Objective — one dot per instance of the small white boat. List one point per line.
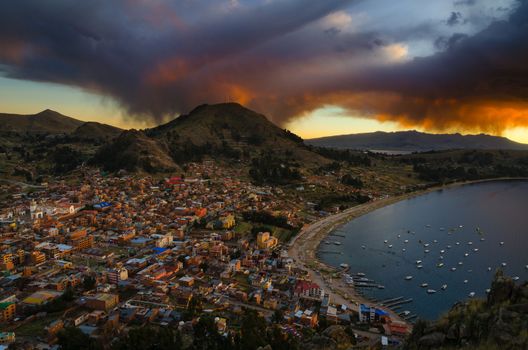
(337, 243)
(426, 245)
(427, 225)
(516, 278)
(457, 243)
(426, 251)
(442, 251)
(406, 241)
(475, 250)
(326, 242)
(403, 249)
(465, 281)
(448, 247)
(472, 294)
(363, 247)
(418, 261)
(460, 226)
(453, 269)
(466, 254)
(424, 285)
(343, 265)
(488, 290)
(444, 286)
(406, 313)
(435, 241)
(504, 264)
(470, 243)
(399, 236)
(385, 241)
(360, 274)
(419, 266)
(379, 286)
(390, 245)
(408, 278)
(526, 267)
(460, 263)
(431, 291)
(482, 239)
(441, 257)
(501, 243)
(440, 265)
(489, 268)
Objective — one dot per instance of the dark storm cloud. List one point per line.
(159, 58)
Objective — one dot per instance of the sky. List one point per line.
(315, 67)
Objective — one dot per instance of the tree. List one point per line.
(72, 338)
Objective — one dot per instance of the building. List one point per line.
(37, 257)
(266, 241)
(7, 337)
(371, 314)
(308, 290)
(102, 301)
(116, 275)
(41, 297)
(7, 311)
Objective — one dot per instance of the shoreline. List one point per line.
(303, 247)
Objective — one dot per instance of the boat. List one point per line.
(442, 251)
(501, 243)
(453, 269)
(406, 241)
(516, 278)
(426, 245)
(440, 265)
(360, 274)
(426, 251)
(475, 250)
(363, 247)
(380, 286)
(489, 268)
(472, 294)
(385, 241)
(408, 278)
(444, 286)
(403, 250)
(420, 261)
(488, 291)
(457, 243)
(431, 291)
(466, 254)
(424, 285)
(470, 243)
(343, 265)
(526, 267)
(390, 245)
(504, 264)
(448, 247)
(441, 257)
(399, 236)
(406, 313)
(427, 225)
(419, 266)
(435, 241)
(482, 239)
(337, 243)
(465, 281)
(461, 226)
(460, 263)
(326, 242)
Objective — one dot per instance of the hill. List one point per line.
(226, 131)
(415, 141)
(47, 121)
(96, 131)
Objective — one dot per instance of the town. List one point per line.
(110, 253)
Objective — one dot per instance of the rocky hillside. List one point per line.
(96, 131)
(500, 322)
(415, 141)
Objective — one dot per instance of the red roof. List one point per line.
(303, 286)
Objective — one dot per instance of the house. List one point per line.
(266, 241)
(371, 314)
(102, 301)
(7, 311)
(308, 290)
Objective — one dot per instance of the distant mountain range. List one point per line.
(415, 141)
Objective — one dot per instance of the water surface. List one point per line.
(484, 214)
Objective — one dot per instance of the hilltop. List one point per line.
(47, 121)
(96, 131)
(415, 141)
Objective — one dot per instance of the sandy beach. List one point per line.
(303, 247)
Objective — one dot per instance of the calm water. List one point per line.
(499, 209)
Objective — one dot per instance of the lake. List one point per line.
(468, 223)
